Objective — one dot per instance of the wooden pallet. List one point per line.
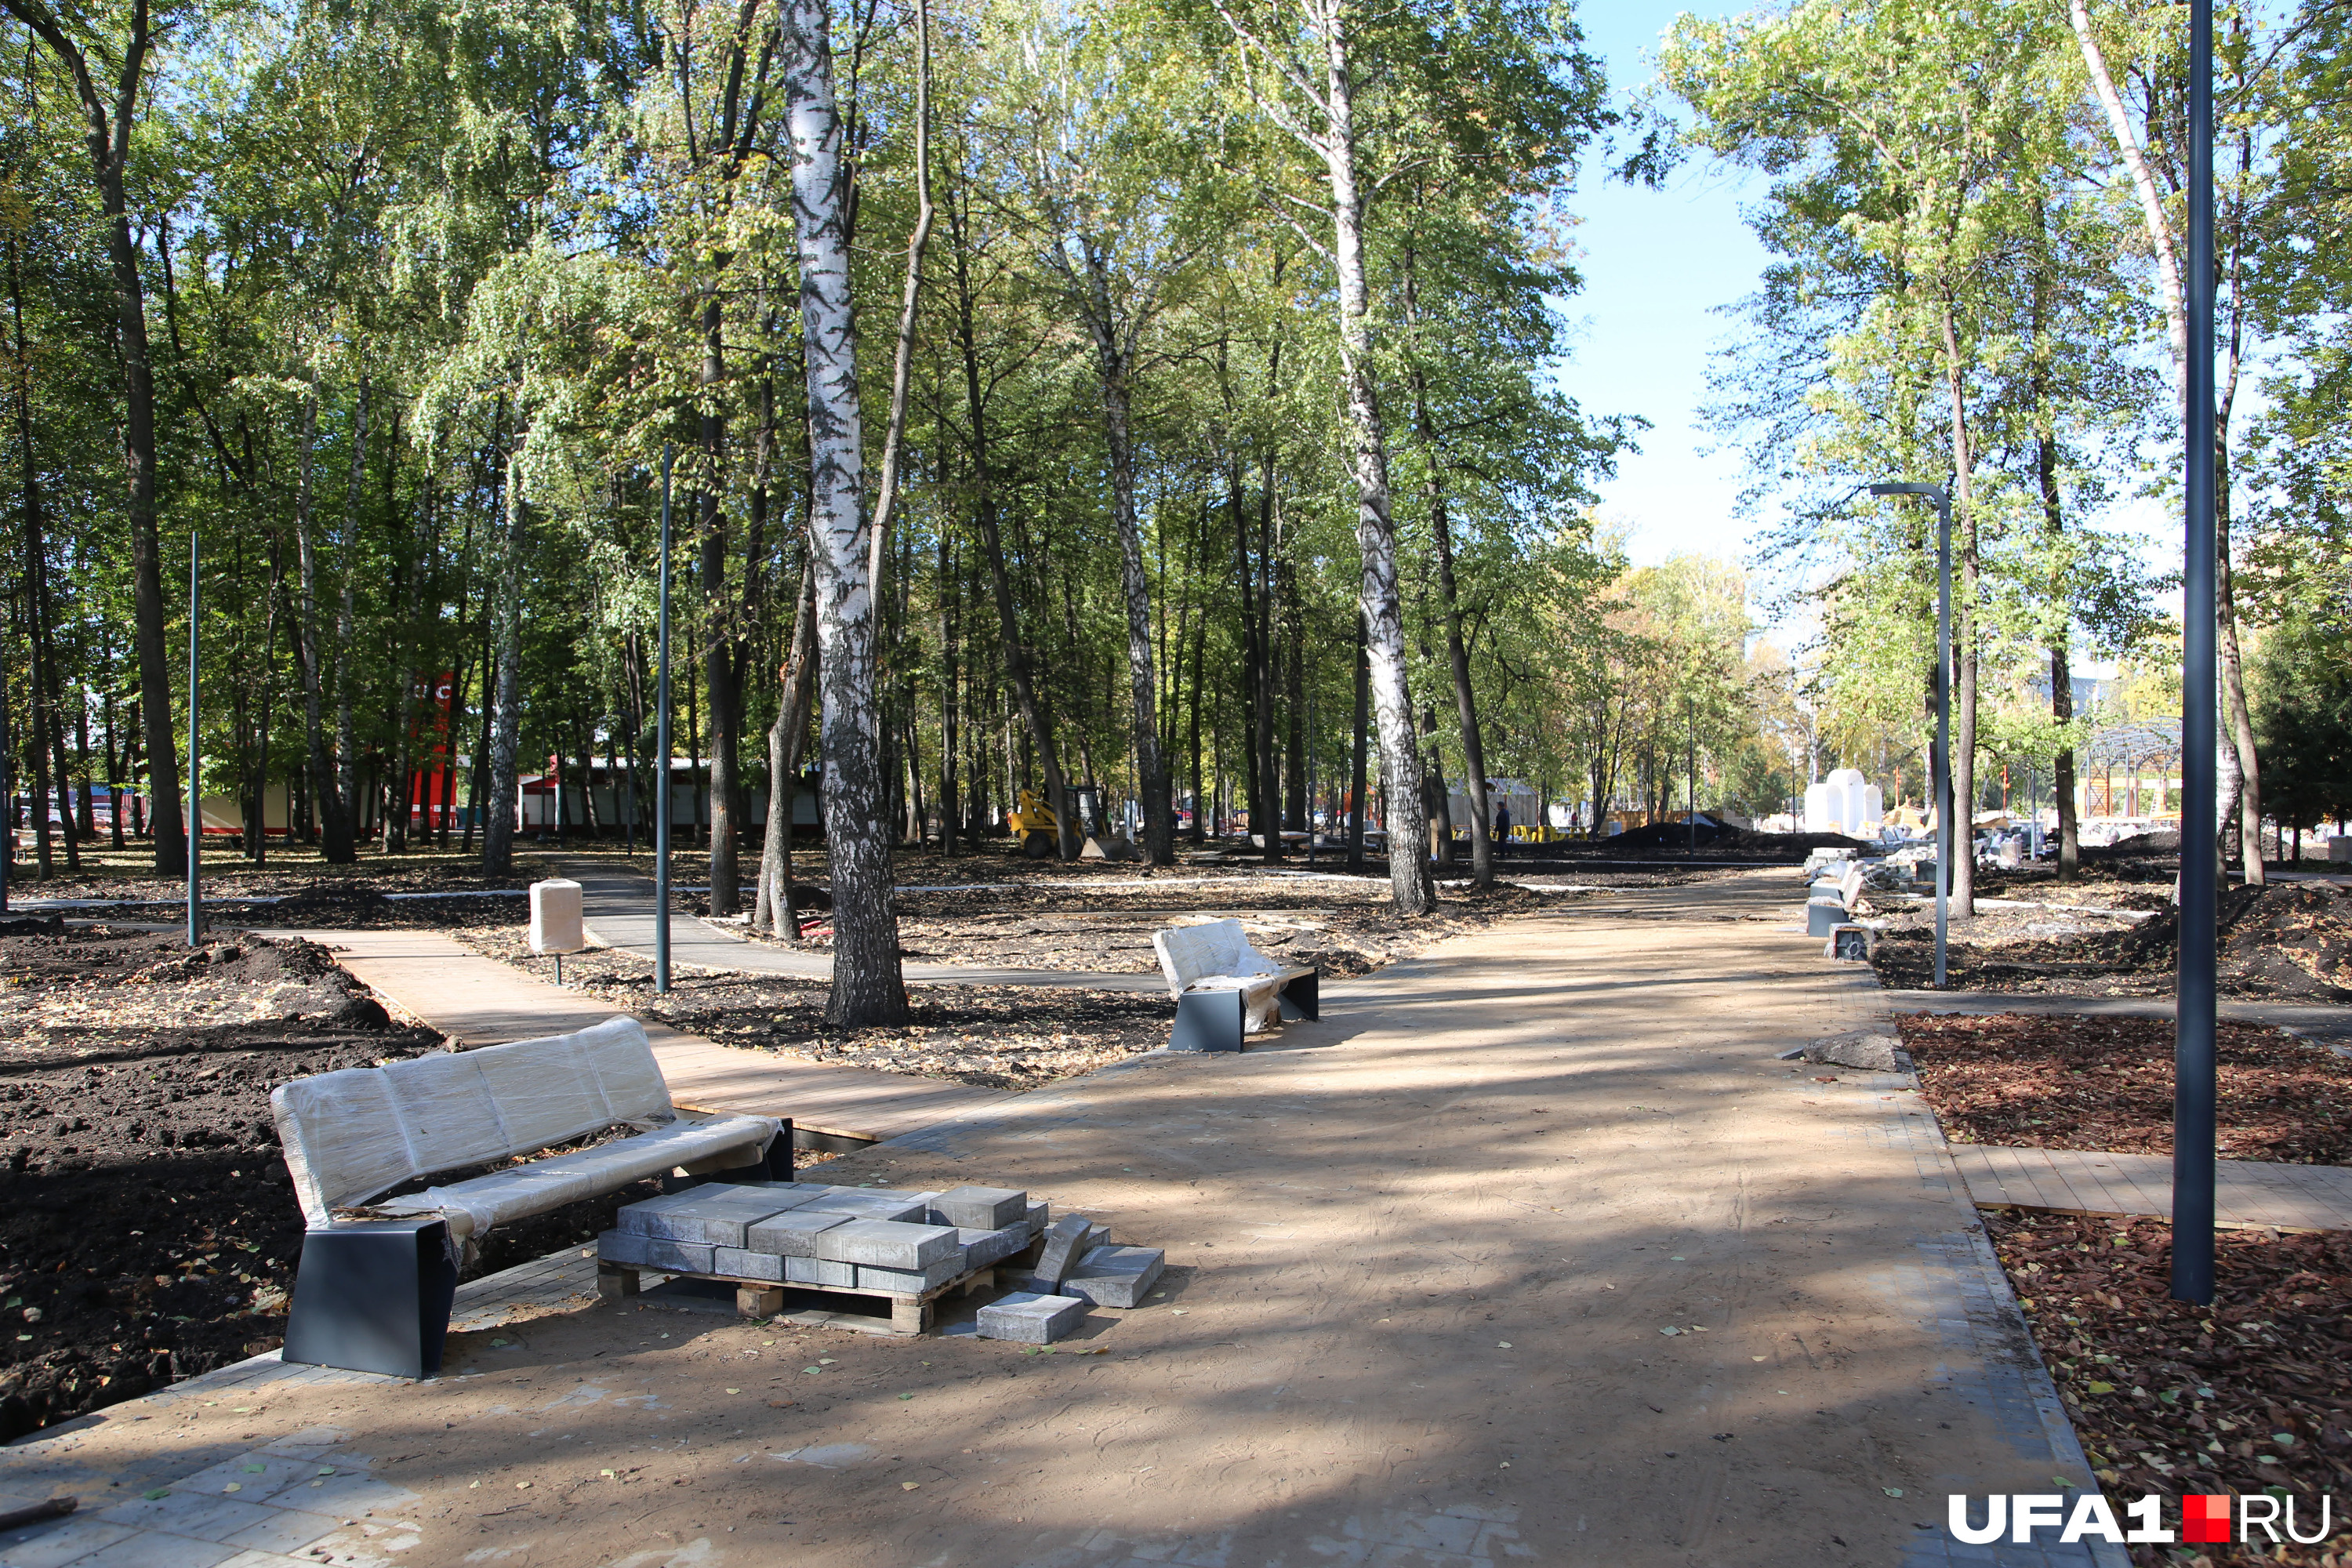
(910, 1314)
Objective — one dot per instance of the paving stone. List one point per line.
(820, 1272)
(980, 1209)
(70, 1541)
(985, 1249)
(792, 1233)
(1041, 1214)
(912, 1282)
(1030, 1320)
(886, 1243)
(1116, 1275)
(636, 1216)
(742, 1263)
(1065, 1243)
(290, 1530)
(651, 1252)
(713, 1213)
(855, 1205)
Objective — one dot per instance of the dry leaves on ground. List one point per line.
(2022, 1080)
(2244, 1396)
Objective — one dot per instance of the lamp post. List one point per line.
(661, 744)
(2192, 1044)
(195, 788)
(1940, 768)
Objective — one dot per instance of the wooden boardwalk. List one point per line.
(479, 1002)
(2247, 1194)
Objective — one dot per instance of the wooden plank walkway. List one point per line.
(481, 1002)
(2247, 1194)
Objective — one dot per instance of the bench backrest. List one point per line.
(356, 1135)
(1189, 954)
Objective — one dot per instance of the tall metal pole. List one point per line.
(195, 788)
(1945, 804)
(661, 744)
(2192, 1049)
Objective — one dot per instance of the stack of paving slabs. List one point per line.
(840, 1238)
(1077, 1268)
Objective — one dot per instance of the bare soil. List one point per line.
(2030, 1080)
(1015, 1038)
(294, 888)
(2285, 941)
(148, 1228)
(2245, 1396)
(1101, 918)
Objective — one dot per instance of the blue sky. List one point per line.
(1657, 266)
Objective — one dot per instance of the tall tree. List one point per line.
(868, 986)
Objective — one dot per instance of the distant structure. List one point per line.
(1844, 803)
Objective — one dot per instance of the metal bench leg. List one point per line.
(1303, 998)
(373, 1297)
(1209, 1021)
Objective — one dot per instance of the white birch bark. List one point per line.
(868, 986)
(1409, 879)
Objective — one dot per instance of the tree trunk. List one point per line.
(1409, 877)
(334, 826)
(1962, 877)
(1142, 684)
(1465, 702)
(1034, 717)
(868, 986)
(346, 747)
(1355, 753)
(35, 579)
(950, 653)
(505, 718)
(784, 739)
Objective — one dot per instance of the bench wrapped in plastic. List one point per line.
(353, 1135)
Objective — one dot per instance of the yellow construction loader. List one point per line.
(1034, 827)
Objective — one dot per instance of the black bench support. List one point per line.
(374, 1296)
(1209, 1021)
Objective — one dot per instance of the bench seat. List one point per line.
(374, 1289)
(1225, 988)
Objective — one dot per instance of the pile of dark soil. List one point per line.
(1721, 839)
(148, 1228)
(2285, 941)
(2022, 1080)
(1014, 1037)
(2162, 841)
(2244, 1396)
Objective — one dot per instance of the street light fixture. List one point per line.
(1940, 766)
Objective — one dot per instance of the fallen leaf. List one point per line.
(908, 1486)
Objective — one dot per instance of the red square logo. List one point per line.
(2205, 1517)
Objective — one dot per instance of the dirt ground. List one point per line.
(1057, 921)
(301, 890)
(1542, 1254)
(2022, 1080)
(2285, 941)
(2243, 1397)
(990, 1036)
(148, 1228)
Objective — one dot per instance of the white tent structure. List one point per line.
(1844, 803)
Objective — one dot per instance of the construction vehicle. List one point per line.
(1034, 827)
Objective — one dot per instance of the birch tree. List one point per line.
(868, 986)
